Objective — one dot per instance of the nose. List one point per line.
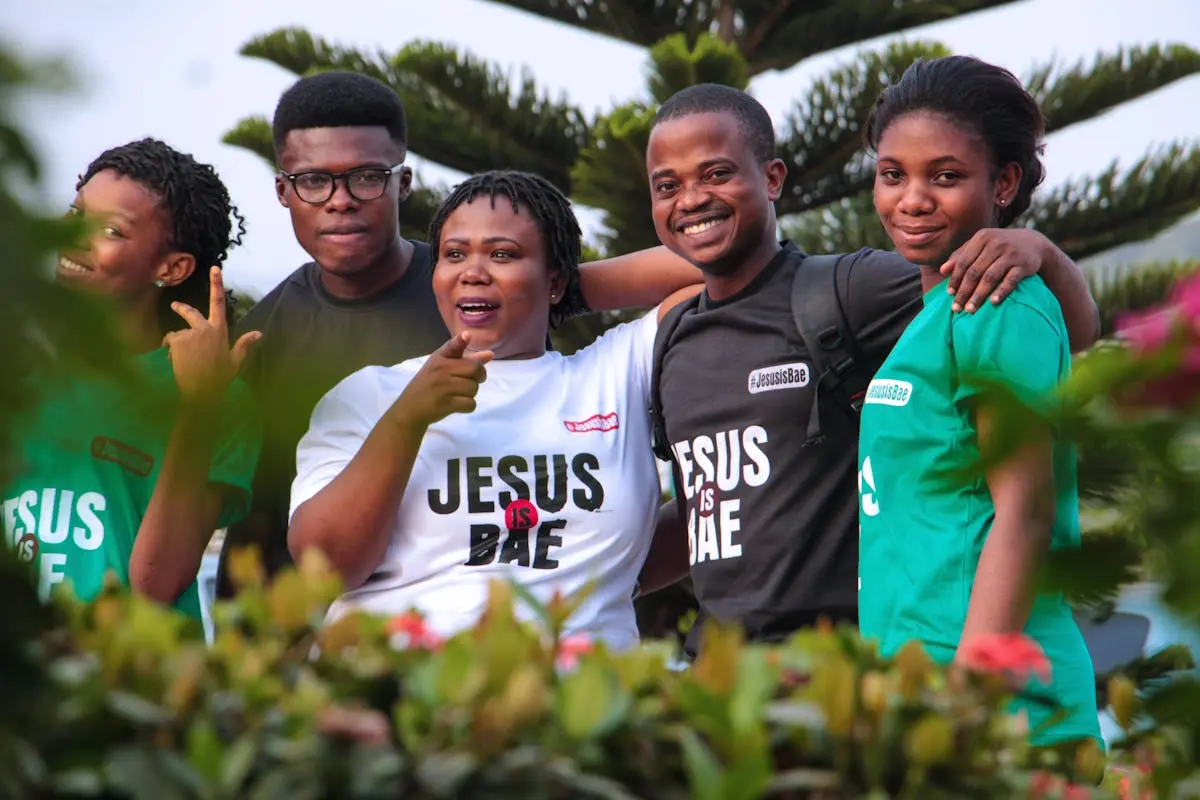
(475, 271)
(341, 199)
(693, 196)
(915, 199)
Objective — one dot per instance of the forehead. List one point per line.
(109, 193)
(482, 218)
(339, 149)
(683, 143)
(923, 136)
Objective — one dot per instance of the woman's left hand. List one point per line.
(203, 362)
(992, 262)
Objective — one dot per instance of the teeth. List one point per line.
(71, 266)
(476, 308)
(700, 227)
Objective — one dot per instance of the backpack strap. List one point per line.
(662, 340)
(836, 358)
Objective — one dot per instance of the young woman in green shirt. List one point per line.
(942, 560)
(132, 474)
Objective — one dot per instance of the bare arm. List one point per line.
(667, 561)
(1022, 490)
(182, 513)
(349, 520)
(636, 280)
(1064, 278)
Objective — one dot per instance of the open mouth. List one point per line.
(701, 226)
(70, 265)
(477, 309)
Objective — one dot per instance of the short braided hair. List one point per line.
(548, 207)
(199, 213)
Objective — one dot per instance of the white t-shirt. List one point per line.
(569, 433)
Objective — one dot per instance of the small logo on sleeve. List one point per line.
(127, 458)
(781, 376)
(596, 422)
(888, 393)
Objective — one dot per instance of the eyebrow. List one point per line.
(489, 240)
(706, 164)
(107, 214)
(935, 162)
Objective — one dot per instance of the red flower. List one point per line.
(409, 631)
(1148, 332)
(570, 649)
(1013, 654)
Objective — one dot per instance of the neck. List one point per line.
(390, 267)
(722, 287)
(930, 277)
(139, 325)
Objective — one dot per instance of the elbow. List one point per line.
(162, 584)
(306, 534)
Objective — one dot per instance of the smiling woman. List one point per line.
(491, 458)
(133, 476)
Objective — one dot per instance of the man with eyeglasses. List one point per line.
(366, 298)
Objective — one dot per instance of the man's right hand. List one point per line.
(446, 385)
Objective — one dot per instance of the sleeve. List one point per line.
(235, 457)
(1015, 344)
(626, 351)
(339, 425)
(881, 294)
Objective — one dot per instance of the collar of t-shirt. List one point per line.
(786, 250)
(418, 269)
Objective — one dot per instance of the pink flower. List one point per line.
(570, 649)
(1012, 654)
(410, 631)
(1148, 332)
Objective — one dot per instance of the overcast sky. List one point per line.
(171, 70)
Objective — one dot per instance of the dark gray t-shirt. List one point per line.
(311, 340)
(773, 524)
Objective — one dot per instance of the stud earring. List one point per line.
(1002, 202)
(159, 284)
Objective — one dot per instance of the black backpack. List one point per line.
(821, 320)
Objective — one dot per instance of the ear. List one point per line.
(558, 286)
(404, 178)
(281, 194)
(176, 268)
(1008, 183)
(776, 172)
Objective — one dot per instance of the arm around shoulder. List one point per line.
(636, 280)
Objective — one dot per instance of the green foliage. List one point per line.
(124, 700)
(1134, 288)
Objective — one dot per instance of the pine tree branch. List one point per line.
(840, 227)
(611, 175)
(462, 112)
(805, 31)
(1069, 95)
(822, 136)
(1092, 215)
(253, 134)
(1135, 287)
(771, 34)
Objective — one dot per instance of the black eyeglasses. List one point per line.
(363, 183)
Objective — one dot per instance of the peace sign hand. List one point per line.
(200, 355)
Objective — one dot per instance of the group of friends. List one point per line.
(396, 404)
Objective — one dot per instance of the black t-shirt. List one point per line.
(310, 341)
(773, 525)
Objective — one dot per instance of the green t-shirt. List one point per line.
(87, 460)
(921, 533)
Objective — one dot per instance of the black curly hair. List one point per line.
(548, 207)
(983, 99)
(200, 213)
(338, 99)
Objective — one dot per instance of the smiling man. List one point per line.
(766, 477)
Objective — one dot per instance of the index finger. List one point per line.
(216, 296)
(960, 260)
(455, 347)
